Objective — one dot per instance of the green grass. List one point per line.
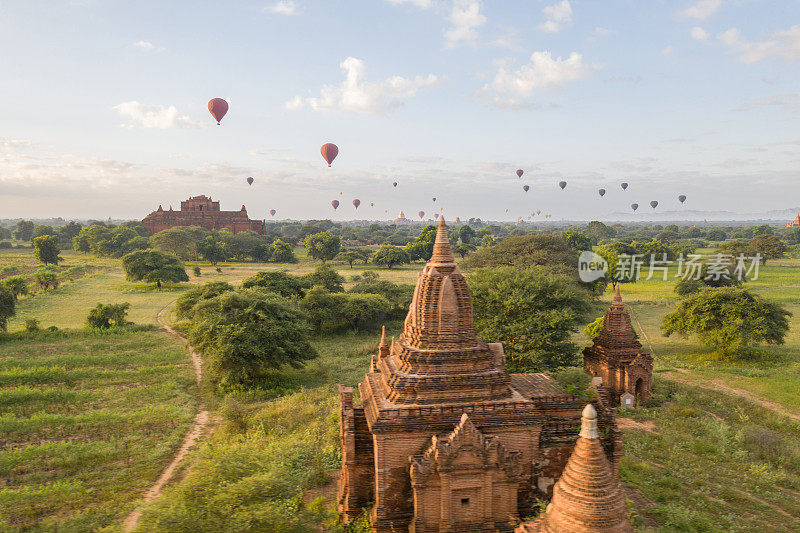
(87, 422)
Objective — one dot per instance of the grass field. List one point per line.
(87, 421)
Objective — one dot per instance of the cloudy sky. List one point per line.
(104, 106)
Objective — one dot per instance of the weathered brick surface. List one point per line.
(618, 358)
(204, 212)
(454, 442)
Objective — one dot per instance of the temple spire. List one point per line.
(617, 295)
(441, 247)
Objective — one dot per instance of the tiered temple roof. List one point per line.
(617, 338)
(587, 498)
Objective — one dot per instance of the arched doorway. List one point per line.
(639, 390)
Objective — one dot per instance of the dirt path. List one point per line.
(201, 421)
(682, 375)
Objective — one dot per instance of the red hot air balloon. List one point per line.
(329, 152)
(525, 188)
(217, 107)
(436, 216)
(335, 204)
(250, 181)
(272, 212)
(519, 172)
(356, 203)
(421, 214)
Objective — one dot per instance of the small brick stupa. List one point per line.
(445, 439)
(588, 498)
(617, 356)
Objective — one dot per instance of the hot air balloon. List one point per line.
(434, 198)
(634, 206)
(602, 192)
(272, 212)
(356, 203)
(538, 211)
(653, 204)
(335, 204)
(682, 198)
(624, 185)
(329, 152)
(217, 107)
(525, 188)
(506, 210)
(562, 184)
(436, 216)
(394, 184)
(421, 214)
(519, 172)
(250, 181)
(372, 204)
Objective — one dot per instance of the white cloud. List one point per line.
(423, 4)
(147, 46)
(667, 50)
(464, 18)
(699, 34)
(155, 116)
(283, 7)
(11, 145)
(702, 9)
(514, 89)
(603, 32)
(354, 94)
(784, 44)
(558, 15)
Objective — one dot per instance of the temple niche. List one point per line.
(617, 357)
(444, 439)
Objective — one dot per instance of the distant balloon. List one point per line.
(624, 185)
(217, 107)
(340, 193)
(372, 204)
(506, 210)
(538, 211)
(653, 204)
(250, 181)
(519, 172)
(394, 184)
(434, 198)
(421, 214)
(682, 198)
(385, 210)
(634, 206)
(329, 152)
(436, 216)
(602, 192)
(562, 184)
(335, 204)
(272, 212)
(356, 203)
(525, 188)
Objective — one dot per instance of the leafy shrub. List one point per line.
(47, 278)
(186, 302)
(104, 315)
(32, 325)
(196, 271)
(17, 285)
(324, 276)
(153, 266)
(277, 281)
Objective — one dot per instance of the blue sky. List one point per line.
(105, 106)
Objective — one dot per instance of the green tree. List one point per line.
(593, 329)
(39, 230)
(212, 250)
(324, 276)
(246, 333)
(321, 307)
(462, 249)
(182, 241)
(577, 240)
(16, 284)
(768, 245)
(532, 312)
(104, 315)
(277, 281)
(68, 232)
(8, 305)
(282, 252)
(24, 231)
(352, 255)
(184, 306)
(323, 246)
(466, 234)
(153, 266)
(360, 309)
(487, 240)
(47, 278)
(422, 247)
(598, 232)
(792, 236)
(728, 319)
(764, 229)
(389, 256)
(46, 250)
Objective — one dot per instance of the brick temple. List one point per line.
(445, 439)
(617, 357)
(204, 212)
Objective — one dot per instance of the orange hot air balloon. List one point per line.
(329, 152)
(217, 107)
(421, 214)
(340, 193)
(272, 212)
(250, 181)
(335, 204)
(356, 203)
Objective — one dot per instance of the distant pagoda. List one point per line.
(794, 223)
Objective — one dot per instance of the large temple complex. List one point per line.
(445, 440)
(204, 212)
